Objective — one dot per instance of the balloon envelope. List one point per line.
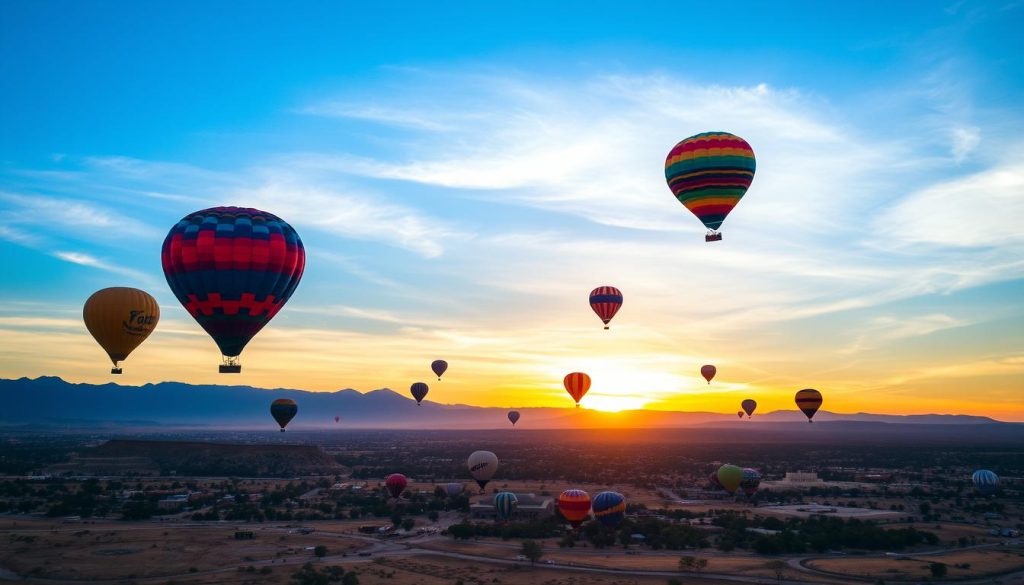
(748, 406)
(750, 482)
(337, 418)
(482, 466)
(439, 367)
(453, 489)
(233, 269)
(606, 301)
(729, 477)
(505, 505)
(395, 483)
(574, 505)
(419, 391)
(513, 417)
(986, 481)
(120, 318)
(708, 372)
(609, 508)
(709, 173)
(283, 410)
(739, 413)
(808, 401)
(577, 384)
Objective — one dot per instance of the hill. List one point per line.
(51, 401)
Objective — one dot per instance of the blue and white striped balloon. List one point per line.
(986, 481)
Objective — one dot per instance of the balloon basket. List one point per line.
(715, 237)
(115, 371)
(231, 369)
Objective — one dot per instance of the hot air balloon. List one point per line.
(283, 410)
(120, 319)
(419, 391)
(505, 504)
(233, 269)
(439, 367)
(739, 414)
(453, 489)
(574, 505)
(577, 384)
(808, 400)
(609, 508)
(750, 482)
(709, 173)
(606, 301)
(708, 372)
(729, 477)
(513, 417)
(986, 481)
(395, 483)
(748, 406)
(482, 466)
(337, 418)
(714, 480)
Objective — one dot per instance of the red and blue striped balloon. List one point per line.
(233, 269)
(606, 301)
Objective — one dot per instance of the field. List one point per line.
(960, 565)
(116, 551)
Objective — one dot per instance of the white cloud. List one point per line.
(965, 140)
(83, 259)
(983, 209)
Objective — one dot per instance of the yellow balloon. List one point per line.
(120, 318)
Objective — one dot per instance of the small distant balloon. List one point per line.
(808, 401)
(505, 504)
(283, 410)
(749, 406)
(439, 367)
(482, 466)
(729, 477)
(609, 508)
(713, 478)
(606, 301)
(419, 391)
(120, 319)
(337, 418)
(750, 482)
(574, 505)
(513, 417)
(453, 489)
(739, 414)
(395, 483)
(577, 384)
(986, 481)
(708, 372)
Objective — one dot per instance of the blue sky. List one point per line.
(462, 176)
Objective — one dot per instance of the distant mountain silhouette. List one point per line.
(50, 401)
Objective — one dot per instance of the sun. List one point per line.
(612, 403)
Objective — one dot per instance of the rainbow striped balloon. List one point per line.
(709, 173)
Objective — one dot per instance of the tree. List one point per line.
(938, 570)
(408, 524)
(433, 515)
(320, 551)
(532, 550)
(687, 563)
(700, 565)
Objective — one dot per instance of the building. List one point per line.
(530, 507)
(172, 502)
(801, 478)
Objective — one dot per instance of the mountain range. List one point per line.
(52, 401)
